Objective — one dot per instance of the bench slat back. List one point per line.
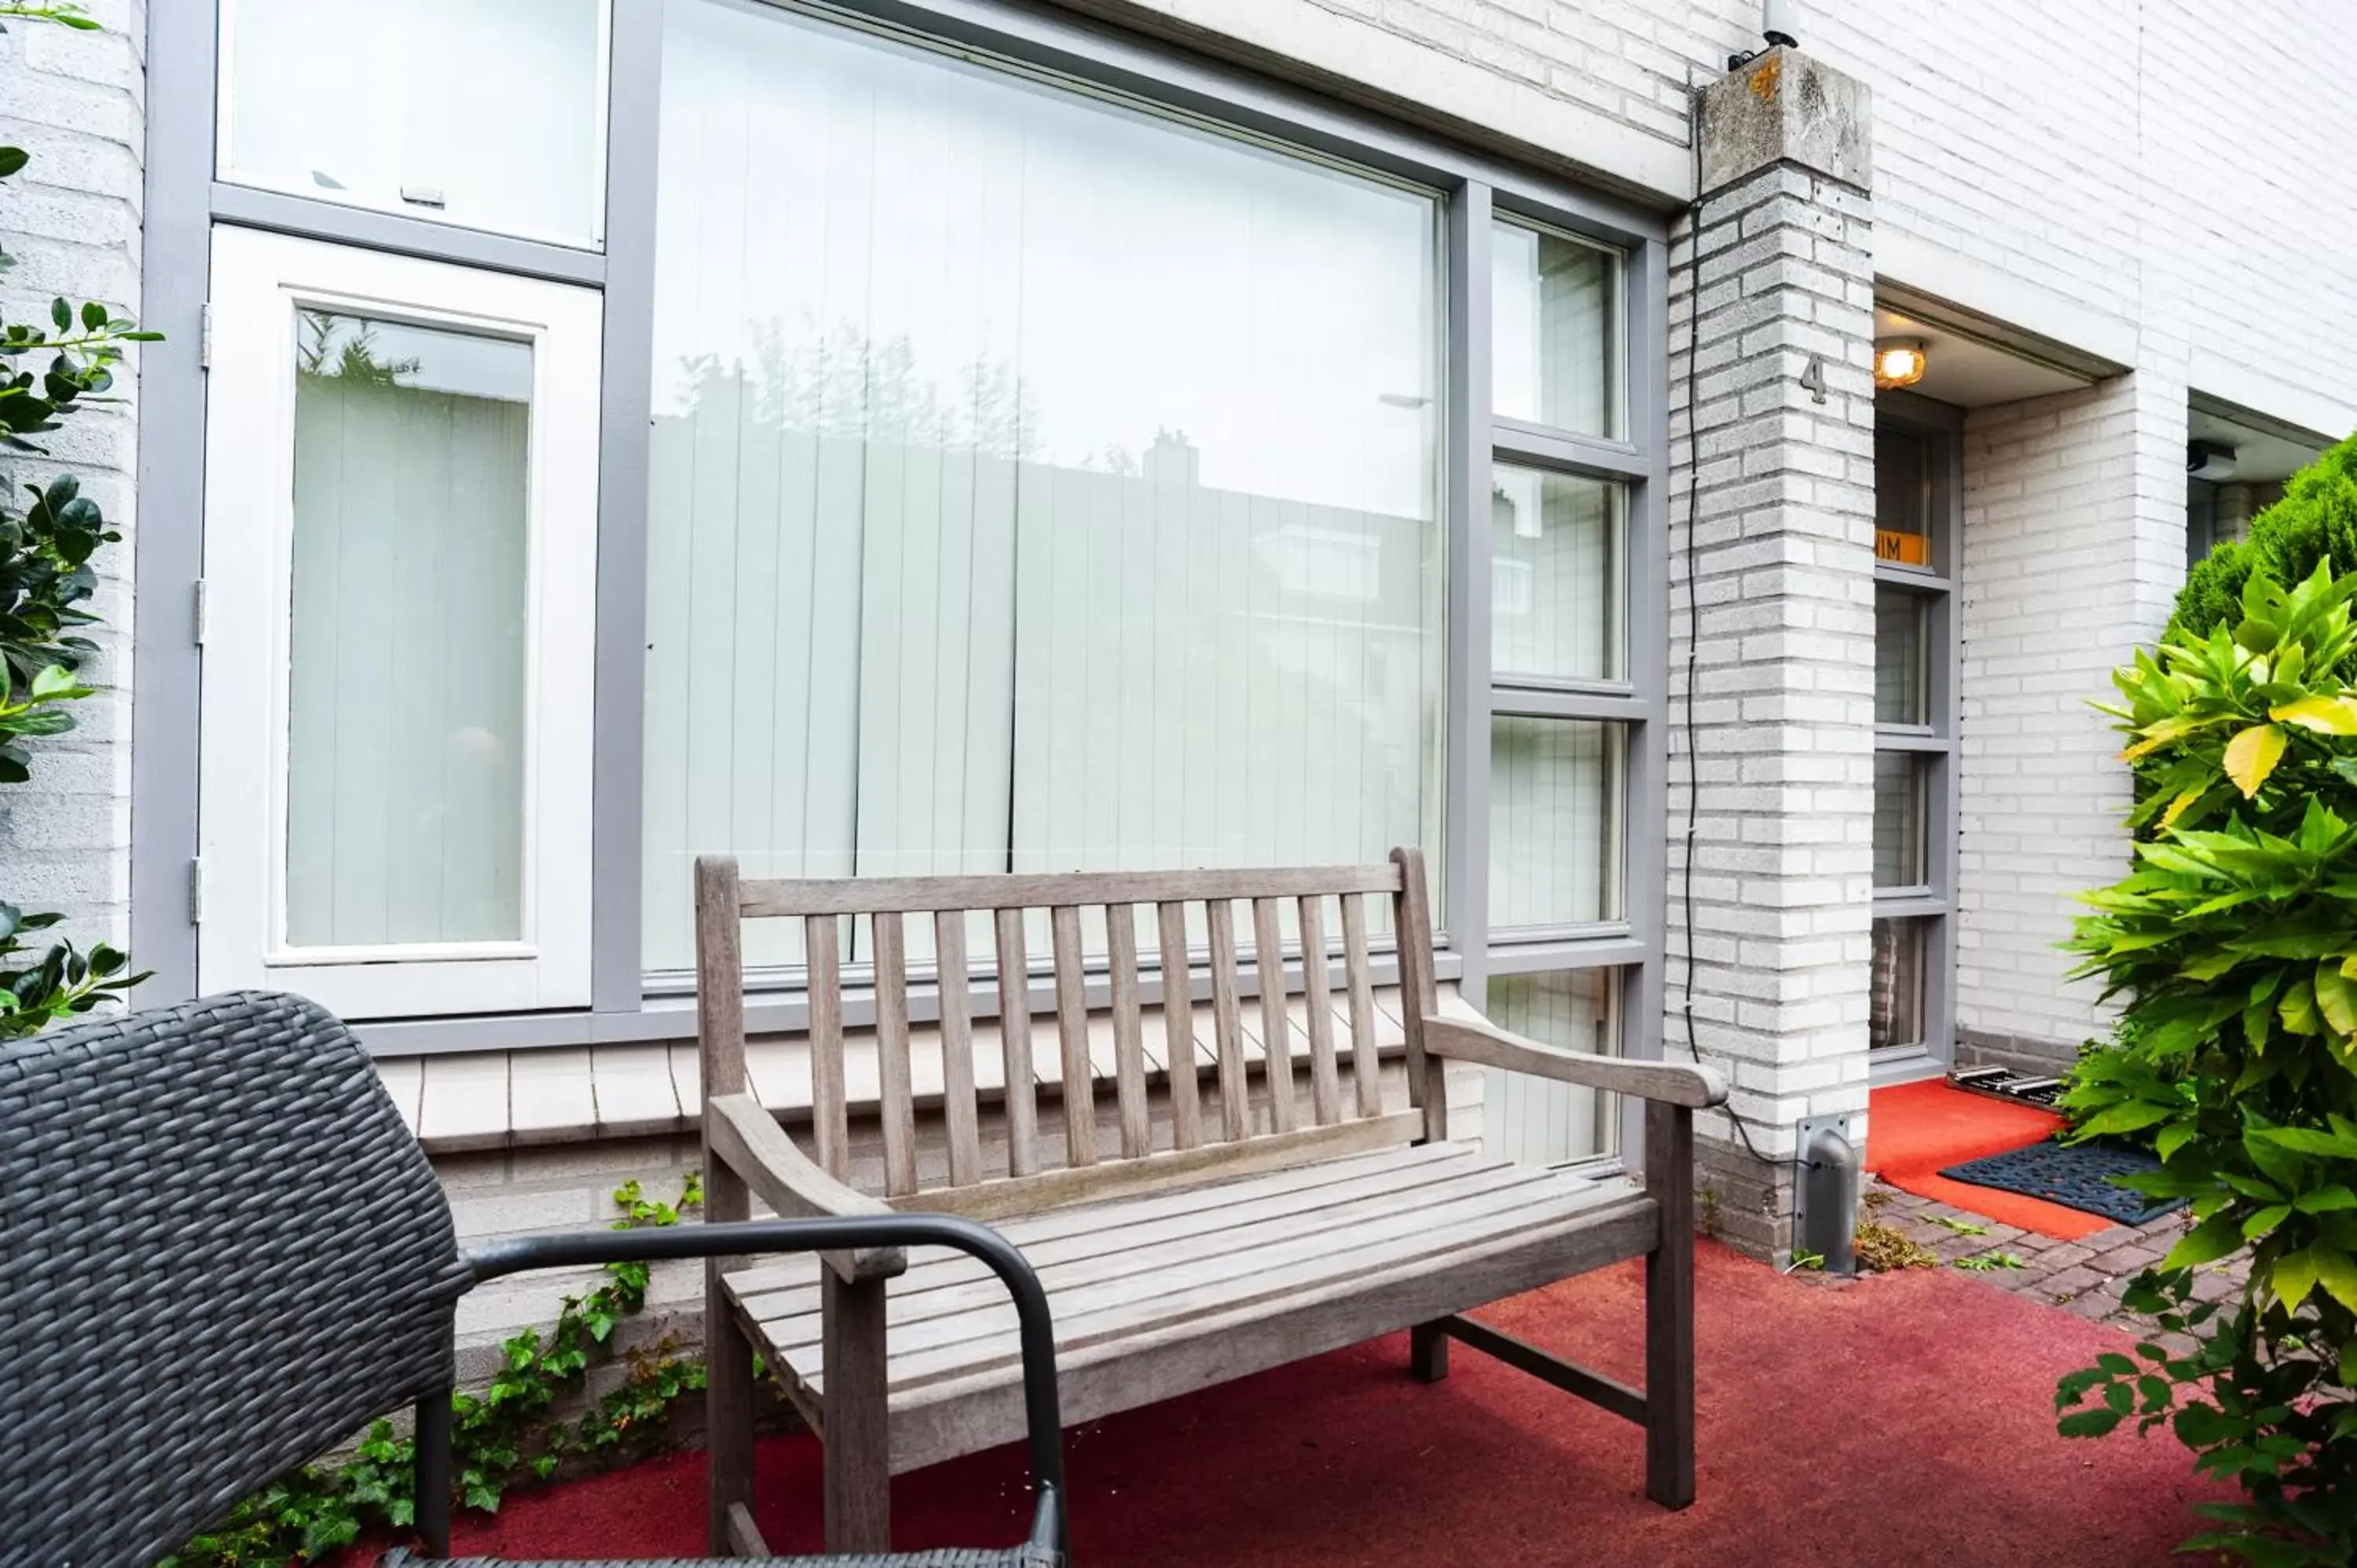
(873, 912)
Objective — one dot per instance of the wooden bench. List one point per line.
(1276, 1224)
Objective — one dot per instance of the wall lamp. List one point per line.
(1899, 362)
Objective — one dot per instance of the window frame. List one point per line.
(221, 143)
(184, 201)
(240, 877)
(1935, 743)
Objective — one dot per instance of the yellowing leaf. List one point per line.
(2337, 1273)
(2297, 1008)
(2156, 735)
(2178, 807)
(2326, 716)
(2293, 1277)
(2252, 756)
(2336, 998)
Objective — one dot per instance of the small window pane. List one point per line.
(1901, 779)
(406, 669)
(1554, 308)
(1902, 500)
(1895, 1001)
(1555, 576)
(1555, 822)
(1902, 626)
(489, 116)
(1529, 1119)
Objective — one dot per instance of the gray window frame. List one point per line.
(183, 201)
(1939, 427)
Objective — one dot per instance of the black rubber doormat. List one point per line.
(2073, 1174)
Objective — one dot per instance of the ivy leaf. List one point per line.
(2252, 756)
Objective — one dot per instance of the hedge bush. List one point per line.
(2315, 521)
(2234, 939)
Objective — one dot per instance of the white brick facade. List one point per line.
(74, 101)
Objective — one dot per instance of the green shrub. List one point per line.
(2235, 940)
(2315, 521)
(49, 370)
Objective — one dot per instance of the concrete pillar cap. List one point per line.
(1786, 107)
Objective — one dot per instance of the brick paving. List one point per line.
(2084, 1277)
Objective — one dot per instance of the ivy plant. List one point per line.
(505, 1436)
(51, 369)
(2235, 940)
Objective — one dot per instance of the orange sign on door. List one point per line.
(1907, 549)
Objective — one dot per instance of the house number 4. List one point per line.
(1814, 377)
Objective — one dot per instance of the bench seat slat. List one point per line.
(947, 1314)
(926, 1292)
(1184, 1283)
(1179, 1279)
(1091, 1222)
(958, 1415)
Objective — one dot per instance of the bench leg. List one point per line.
(1428, 1352)
(857, 1443)
(729, 1417)
(1669, 1309)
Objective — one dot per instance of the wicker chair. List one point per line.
(221, 1251)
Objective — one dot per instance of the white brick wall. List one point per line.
(2068, 166)
(74, 101)
(2073, 546)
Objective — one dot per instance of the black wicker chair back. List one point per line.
(221, 1251)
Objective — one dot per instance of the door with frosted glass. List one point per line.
(399, 558)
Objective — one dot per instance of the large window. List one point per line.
(796, 436)
(1037, 483)
(1915, 733)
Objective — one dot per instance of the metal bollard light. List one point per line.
(1825, 1195)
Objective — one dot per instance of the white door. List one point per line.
(398, 572)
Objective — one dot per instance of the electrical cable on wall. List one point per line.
(1693, 630)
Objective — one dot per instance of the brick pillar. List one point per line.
(1779, 555)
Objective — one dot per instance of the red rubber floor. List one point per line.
(1904, 1419)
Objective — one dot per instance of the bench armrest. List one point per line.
(749, 1139)
(1673, 1083)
